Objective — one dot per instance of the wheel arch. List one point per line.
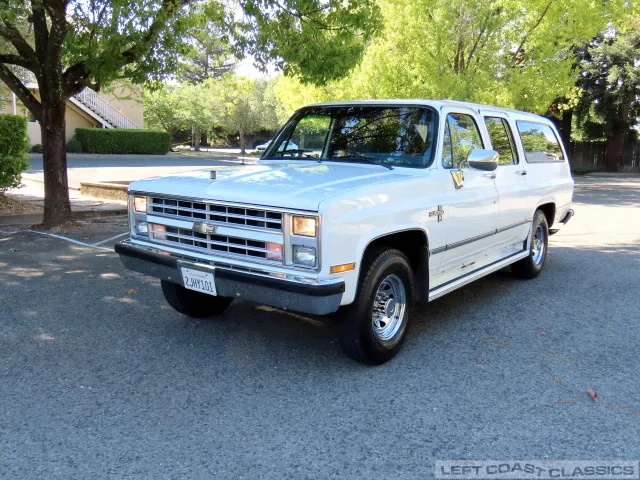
(549, 210)
(414, 243)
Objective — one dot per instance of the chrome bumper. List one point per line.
(312, 296)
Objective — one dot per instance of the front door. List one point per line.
(515, 213)
(471, 204)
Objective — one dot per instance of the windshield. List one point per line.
(387, 135)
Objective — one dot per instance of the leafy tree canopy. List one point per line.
(513, 53)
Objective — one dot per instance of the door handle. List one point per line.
(521, 172)
(490, 175)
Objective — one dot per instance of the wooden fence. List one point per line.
(593, 155)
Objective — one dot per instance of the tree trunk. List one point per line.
(565, 128)
(195, 138)
(57, 208)
(615, 150)
(242, 149)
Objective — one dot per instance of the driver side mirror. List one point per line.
(482, 159)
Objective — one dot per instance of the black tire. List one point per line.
(193, 304)
(358, 338)
(531, 266)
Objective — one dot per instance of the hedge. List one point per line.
(14, 150)
(120, 140)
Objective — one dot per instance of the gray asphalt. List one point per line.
(100, 382)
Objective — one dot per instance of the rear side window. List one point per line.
(540, 142)
(501, 140)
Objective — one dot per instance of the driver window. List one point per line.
(309, 135)
(461, 135)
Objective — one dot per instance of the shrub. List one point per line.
(74, 146)
(102, 140)
(14, 150)
(37, 148)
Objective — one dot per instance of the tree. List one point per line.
(610, 82)
(162, 109)
(69, 45)
(209, 55)
(512, 53)
(244, 106)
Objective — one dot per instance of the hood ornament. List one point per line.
(212, 174)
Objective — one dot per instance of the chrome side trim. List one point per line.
(474, 275)
(514, 225)
(479, 237)
(467, 241)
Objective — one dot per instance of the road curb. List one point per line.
(36, 218)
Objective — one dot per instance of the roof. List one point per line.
(437, 104)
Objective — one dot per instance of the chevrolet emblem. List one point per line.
(204, 228)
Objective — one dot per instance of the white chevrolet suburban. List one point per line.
(358, 207)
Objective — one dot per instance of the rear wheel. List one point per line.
(375, 326)
(531, 266)
(193, 304)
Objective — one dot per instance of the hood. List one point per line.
(296, 185)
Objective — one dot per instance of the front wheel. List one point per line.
(531, 266)
(193, 304)
(375, 326)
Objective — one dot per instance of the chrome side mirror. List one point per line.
(482, 159)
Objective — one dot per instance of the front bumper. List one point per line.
(300, 294)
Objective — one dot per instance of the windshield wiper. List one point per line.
(292, 150)
(361, 159)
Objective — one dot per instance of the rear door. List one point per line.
(471, 204)
(514, 212)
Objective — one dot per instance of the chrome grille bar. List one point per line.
(217, 213)
(210, 243)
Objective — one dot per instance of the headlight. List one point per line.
(305, 226)
(140, 204)
(142, 228)
(304, 255)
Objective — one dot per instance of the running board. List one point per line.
(476, 274)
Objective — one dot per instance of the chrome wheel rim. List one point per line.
(537, 246)
(389, 305)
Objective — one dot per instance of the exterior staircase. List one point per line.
(101, 110)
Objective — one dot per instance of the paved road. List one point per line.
(100, 383)
(104, 168)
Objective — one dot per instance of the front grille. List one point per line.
(217, 214)
(213, 242)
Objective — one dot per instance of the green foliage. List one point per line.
(162, 109)
(14, 148)
(208, 55)
(610, 84)
(99, 140)
(225, 106)
(37, 148)
(320, 40)
(74, 146)
(511, 53)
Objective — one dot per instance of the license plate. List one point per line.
(199, 281)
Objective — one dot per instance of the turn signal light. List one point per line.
(274, 251)
(345, 267)
(158, 232)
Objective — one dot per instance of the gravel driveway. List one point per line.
(100, 379)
